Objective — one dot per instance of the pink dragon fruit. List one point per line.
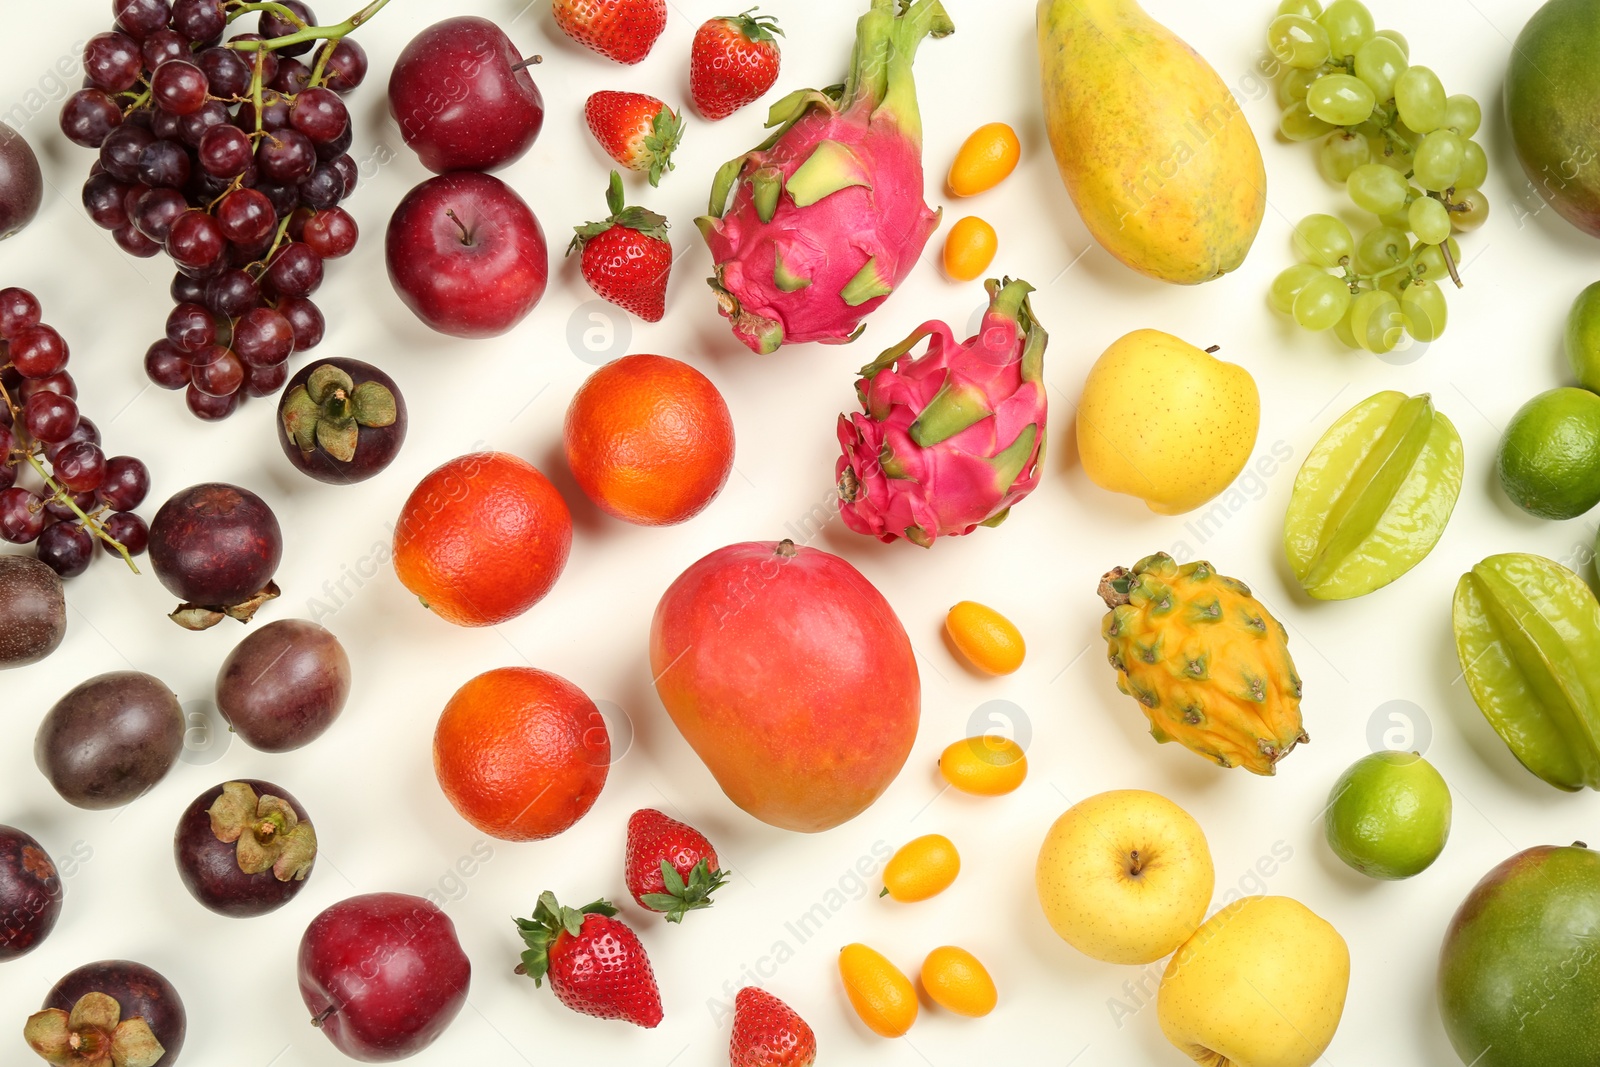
(952, 439)
(828, 216)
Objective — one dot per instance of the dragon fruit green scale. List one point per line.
(827, 217)
(950, 440)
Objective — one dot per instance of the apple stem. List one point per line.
(322, 1017)
(1138, 864)
(466, 234)
(531, 61)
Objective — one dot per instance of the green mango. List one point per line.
(1553, 107)
(1528, 636)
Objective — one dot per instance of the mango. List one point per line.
(1553, 104)
(1153, 148)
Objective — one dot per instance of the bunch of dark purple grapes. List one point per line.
(232, 157)
(85, 497)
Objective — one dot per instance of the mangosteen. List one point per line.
(114, 1011)
(216, 548)
(244, 848)
(33, 611)
(341, 421)
(30, 894)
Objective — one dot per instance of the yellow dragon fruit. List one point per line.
(828, 217)
(948, 441)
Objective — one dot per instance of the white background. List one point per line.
(369, 784)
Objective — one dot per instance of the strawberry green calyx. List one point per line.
(682, 896)
(666, 133)
(270, 836)
(93, 1034)
(551, 920)
(758, 29)
(637, 218)
(329, 411)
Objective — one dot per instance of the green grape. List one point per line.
(1430, 261)
(1341, 154)
(1419, 95)
(1377, 188)
(1322, 303)
(1293, 85)
(1341, 99)
(1305, 8)
(1287, 286)
(1400, 39)
(1381, 249)
(1430, 221)
(1376, 322)
(1476, 213)
(1394, 283)
(1299, 124)
(1425, 310)
(1378, 63)
(1348, 23)
(1391, 154)
(1474, 165)
(1400, 220)
(1438, 161)
(1341, 330)
(1462, 114)
(1298, 42)
(1324, 240)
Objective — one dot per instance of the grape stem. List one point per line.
(1450, 264)
(285, 13)
(94, 527)
(306, 33)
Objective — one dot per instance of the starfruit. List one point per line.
(1528, 635)
(1374, 496)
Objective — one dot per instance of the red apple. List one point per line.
(383, 975)
(467, 255)
(463, 98)
(791, 677)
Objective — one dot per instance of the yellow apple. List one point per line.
(1125, 876)
(1261, 984)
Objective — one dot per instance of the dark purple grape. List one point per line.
(156, 211)
(30, 885)
(112, 62)
(164, 46)
(350, 172)
(140, 117)
(122, 150)
(38, 351)
(199, 20)
(66, 548)
(89, 116)
(246, 216)
(60, 384)
(139, 18)
(242, 257)
(286, 156)
(8, 478)
(59, 510)
(209, 866)
(187, 290)
(129, 531)
(331, 233)
(226, 151)
(166, 366)
(269, 60)
(293, 77)
(263, 338)
(165, 125)
(274, 113)
(324, 189)
(102, 199)
(131, 241)
(228, 73)
(306, 320)
(191, 328)
(178, 86)
(164, 165)
(346, 68)
(21, 515)
(193, 127)
(337, 147)
(80, 467)
(210, 408)
(297, 222)
(265, 381)
(215, 545)
(196, 242)
(232, 294)
(203, 188)
(285, 198)
(130, 199)
(50, 416)
(222, 376)
(126, 485)
(19, 309)
(294, 271)
(86, 431)
(274, 25)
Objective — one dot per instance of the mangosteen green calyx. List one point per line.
(329, 411)
(270, 835)
(93, 1034)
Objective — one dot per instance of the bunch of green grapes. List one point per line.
(1404, 152)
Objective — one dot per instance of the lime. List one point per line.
(1583, 338)
(1550, 456)
(1389, 815)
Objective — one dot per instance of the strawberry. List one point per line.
(627, 258)
(733, 61)
(670, 866)
(623, 30)
(768, 1033)
(595, 964)
(636, 130)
